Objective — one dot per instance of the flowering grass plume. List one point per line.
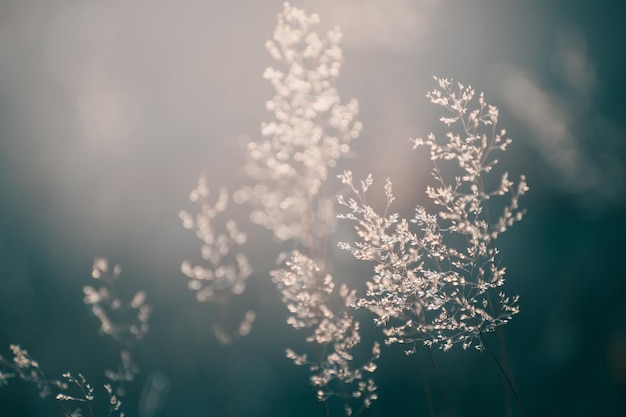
(126, 321)
(311, 130)
(436, 274)
(24, 367)
(315, 304)
(289, 169)
(227, 267)
(73, 395)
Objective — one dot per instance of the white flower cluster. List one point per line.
(74, 395)
(84, 388)
(23, 366)
(289, 167)
(227, 266)
(315, 303)
(311, 130)
(126, 321)
(434, 274)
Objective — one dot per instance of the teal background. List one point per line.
(110, 110)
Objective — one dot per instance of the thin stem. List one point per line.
(500, 331)
(82, 390)
(504, 373)
(431, 409)
(443, 391)
(507, 366)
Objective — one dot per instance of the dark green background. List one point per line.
(110, 110)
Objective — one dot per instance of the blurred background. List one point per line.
(109, 111)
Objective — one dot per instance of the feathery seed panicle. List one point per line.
(126, 321)
(73, 395)
(227, 268)
(311, 130)
(24, 367)
(312, 299)
(289, 166)
(435, 273)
